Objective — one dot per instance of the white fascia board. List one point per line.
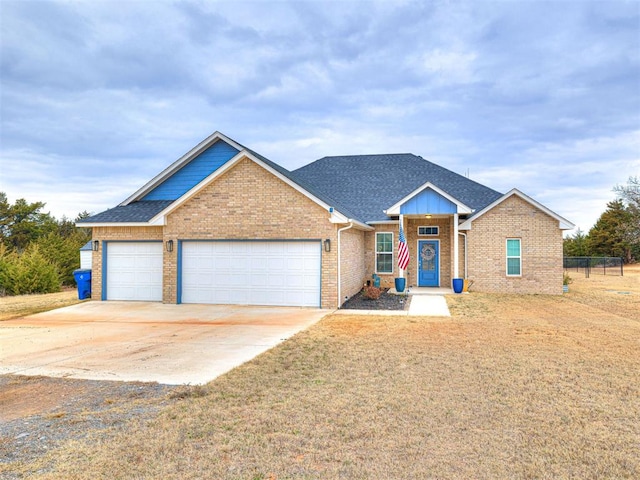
(563, 223)
(384, 222)
(175, 166)
(461, 207)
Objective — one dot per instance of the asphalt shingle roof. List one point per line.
(141, 211)
(369, 184)
(358, 186)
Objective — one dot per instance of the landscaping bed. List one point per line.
(386, 301)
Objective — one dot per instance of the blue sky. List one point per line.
(98, 97)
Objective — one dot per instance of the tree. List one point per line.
(29, 272)
(576, 245)
(607, 236)
(630, 231)
(23, 222)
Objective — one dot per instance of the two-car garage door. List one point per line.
(285, 273)
(282, 273)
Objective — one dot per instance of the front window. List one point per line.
(514, 258)
(384, 252)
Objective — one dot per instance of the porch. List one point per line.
(422, 291)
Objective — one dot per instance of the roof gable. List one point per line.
(193, 172)
(563, 223)
(178, 164)
(428, 199)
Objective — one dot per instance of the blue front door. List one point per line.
(428, 263)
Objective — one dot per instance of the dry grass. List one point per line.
(23, 305)
(509, 387)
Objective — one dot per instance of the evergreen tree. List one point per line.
(576, 245)
(606, 237)
(23, 222)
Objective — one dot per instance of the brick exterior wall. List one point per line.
(353, 273)
(111, 234)
(541, 245)
(248, 202)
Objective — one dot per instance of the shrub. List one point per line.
(8, 261)
(371, 292)
(63, 253)
(30, 272)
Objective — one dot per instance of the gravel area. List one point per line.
(39, 413)
(386, 301)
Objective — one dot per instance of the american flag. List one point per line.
(403, 251)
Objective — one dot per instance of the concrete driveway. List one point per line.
(149, 342)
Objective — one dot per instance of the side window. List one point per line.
(384, 252)
(514, 257)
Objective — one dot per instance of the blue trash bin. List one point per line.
(83, 279)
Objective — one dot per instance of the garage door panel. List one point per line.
(134, 271)
(251, 273)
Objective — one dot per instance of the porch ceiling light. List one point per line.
(428, 215)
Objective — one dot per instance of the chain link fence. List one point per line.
(596, 265)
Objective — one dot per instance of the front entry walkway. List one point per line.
(429, 305)
(426, 301)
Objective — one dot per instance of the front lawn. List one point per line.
(508, 387)
(23, 305)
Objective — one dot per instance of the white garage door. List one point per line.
(134, 271)
(251, 273)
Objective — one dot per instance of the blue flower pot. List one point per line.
(458, 284)
(400, 284)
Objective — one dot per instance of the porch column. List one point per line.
(400, 225)
(455, 246)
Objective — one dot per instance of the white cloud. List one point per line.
(542, 97)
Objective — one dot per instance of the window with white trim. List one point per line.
(428, 231)
(384, 252)
(514, 257)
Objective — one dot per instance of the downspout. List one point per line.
(340, 230)
(465, 253)
(456, 274)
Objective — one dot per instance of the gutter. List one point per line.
(340, 230)
(465, 253)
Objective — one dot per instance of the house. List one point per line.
(225, 225)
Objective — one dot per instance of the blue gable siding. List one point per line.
(193, 172)
(428, 201)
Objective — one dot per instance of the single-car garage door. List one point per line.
(283, 273)
(134, 271)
